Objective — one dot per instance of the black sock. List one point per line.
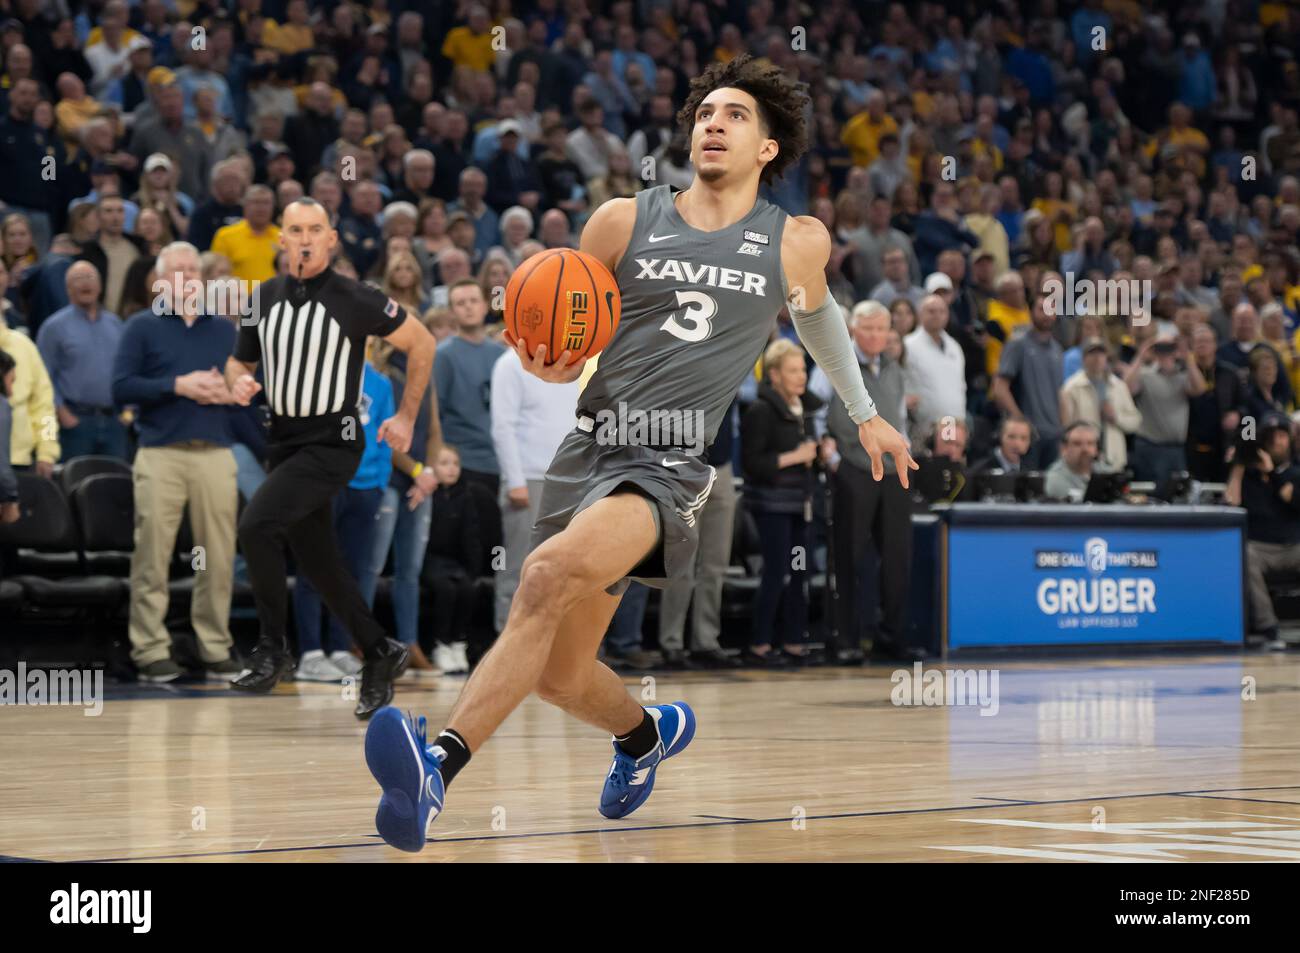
(457, 754)
(641, 740)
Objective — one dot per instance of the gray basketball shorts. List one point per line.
(675, 484)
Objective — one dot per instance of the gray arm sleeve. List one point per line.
(825, 335)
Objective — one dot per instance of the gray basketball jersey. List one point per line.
(697, 310)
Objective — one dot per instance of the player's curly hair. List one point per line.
(782, 103)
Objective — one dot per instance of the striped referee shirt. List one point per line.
(310, 338)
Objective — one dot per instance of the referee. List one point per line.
(310, 336)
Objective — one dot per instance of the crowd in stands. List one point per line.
(969, 160)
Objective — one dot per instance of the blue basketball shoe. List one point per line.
(408, 769)
(630, 780)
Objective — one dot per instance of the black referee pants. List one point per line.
(866, 513)
(295, 506)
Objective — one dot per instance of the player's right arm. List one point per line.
(605, 237)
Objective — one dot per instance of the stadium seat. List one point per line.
(47, 526)
(104, 507)
(74, 471)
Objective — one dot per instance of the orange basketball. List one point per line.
(564, 299)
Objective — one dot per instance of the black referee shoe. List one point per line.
(270, 662)
(377, 677)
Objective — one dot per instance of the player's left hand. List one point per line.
(879, 438)
(562, 370)
(396, 432)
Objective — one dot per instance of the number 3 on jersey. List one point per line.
(700, 309)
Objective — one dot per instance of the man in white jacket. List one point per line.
(529, 420)
(1095, 395)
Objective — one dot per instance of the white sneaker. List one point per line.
(315, 667)
(462, 660)
(346, 662)
(444, 658)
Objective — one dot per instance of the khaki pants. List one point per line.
(166, 478)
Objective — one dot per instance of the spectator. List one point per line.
(1263, 390)
(1091, 255)
(252, 243)
(563, 184)
(43, 286)
(529, 418)
(1067, 478)
(864, 131)
(360, 233)
(1029, 382)
(1265, 485)
(166, 366)
(470, 45)
(75, 108)
(1007, 312)
(473, 187)
(516, 227)
(1163, 381)
(897, 282)
(223, 139)
(33, 445)
(131, 89)
(620, 183)
(9, 512)
(940, 228)
(511, 180)
(555, 231)
(453, 267)
(417, 178)
(120, 250)
(460, 539)
(778, 450)
(1212, 417)
(463, 372)
(169, 133)
(78, 344)
(23, 145)
(158, 192)
(871, 241)
(1095, 395)
(870, 512)
(589, 146)
(222, 208)
(936, 368)
(308, 132)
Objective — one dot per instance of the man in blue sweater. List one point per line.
(462, 371)
(167, 365)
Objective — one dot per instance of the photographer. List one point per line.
(1263, 479)
(1163, 382)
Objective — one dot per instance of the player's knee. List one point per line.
(546, 583)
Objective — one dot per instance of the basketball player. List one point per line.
(702, 276)
(311, 336)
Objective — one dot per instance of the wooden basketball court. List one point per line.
(1159, 759)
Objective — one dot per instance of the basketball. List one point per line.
(565, 299)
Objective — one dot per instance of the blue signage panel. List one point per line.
(1072, 585)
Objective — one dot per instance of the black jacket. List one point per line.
(464, 527)
(769, 429)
